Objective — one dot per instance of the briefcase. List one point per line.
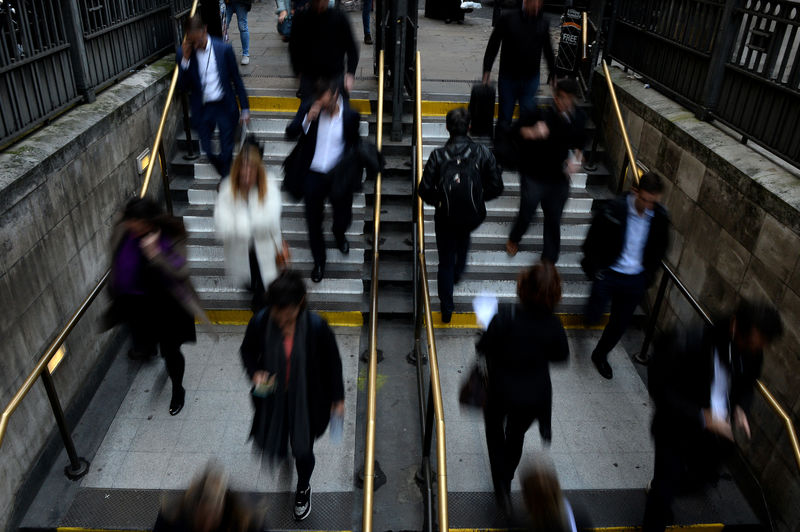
(481, 109)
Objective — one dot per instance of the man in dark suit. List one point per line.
(622, 254)
(208, 69)
(702, 385)
(327, 167)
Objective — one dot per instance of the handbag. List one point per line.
(475, 389)
(285, 27)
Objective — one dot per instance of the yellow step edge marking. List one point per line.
(703, 527)
(432, 108)
(242, 317)
(468, 320)
(79, 529)
(289, 104)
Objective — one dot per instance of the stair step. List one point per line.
(205, 284)
(216, 254)
(505, 205)
(501, 260)
(498, 232)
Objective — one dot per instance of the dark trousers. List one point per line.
(318, 188)
(505, 436)
(625, 292)
(453, 246)
(256, 284)
(304, 464)
(552, 196)
(218, 115)
(509, 92)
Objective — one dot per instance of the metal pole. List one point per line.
(719, 56)
(428, 436)
(77, 50)
(399, 22)
(78, 466)
(165, 177)
(642, 357)
(187, 129)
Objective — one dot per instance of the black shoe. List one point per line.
(139, 355)
(176, 404)
(302, 503)
(317, 273)
(602, 367)
(344, 246)
(447, 315)
(367, 39)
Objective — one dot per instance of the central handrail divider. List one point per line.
(78, 466)
(434, 413)
(372, 378)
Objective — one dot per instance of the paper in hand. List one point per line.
(485, 307)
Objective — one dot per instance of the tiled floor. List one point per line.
(601, 437)
(145, 447)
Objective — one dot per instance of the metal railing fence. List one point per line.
(55, 53)
(736, 61)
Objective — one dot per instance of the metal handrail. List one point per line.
(78, 466)
(372, 379)
(669, 276)
(435, 390)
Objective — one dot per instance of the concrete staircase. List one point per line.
(194, 185)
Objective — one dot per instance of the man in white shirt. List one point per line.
(327, 167)
(208, 70)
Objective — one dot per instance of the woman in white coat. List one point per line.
(247, 217)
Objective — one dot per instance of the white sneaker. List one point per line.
(245, 59)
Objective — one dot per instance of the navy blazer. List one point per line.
(229, 78)
(308, 141)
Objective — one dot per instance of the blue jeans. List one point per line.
(241, 20)
(509, 91)
(366, 9)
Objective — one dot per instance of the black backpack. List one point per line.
(462, 189)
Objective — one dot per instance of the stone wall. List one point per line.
(736, 233)
(59, 191)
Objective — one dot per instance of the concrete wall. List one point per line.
(736, 233)
(59, 191)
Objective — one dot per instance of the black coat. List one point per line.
(544, 159)
(320, 42)
(680, 377)
(519, 345)
(523, 39)
(347, 174)
(323, 365)
(606, 238)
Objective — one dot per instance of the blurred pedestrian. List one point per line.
(702, 383)
(622, 252)
(547, 509)
(523, 35)
(150, 288)
(321, 39)
(328, 132)
(211, 14)
(208, 70)
(247, 217)
(458, 178)
(519, 345)
(241, 8)
(291, 356)
(366, 9)
(208, 505)
(545, 139)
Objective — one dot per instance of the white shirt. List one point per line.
(720, 385)
(636, 231)
(209, 74)
(330, 140)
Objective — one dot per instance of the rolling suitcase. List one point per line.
(481, 108)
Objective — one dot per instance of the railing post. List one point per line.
(162, 157)
(78, 466)
(77, 50)
(398, 69)
(723, 42)
(187, 128)
(642, 357)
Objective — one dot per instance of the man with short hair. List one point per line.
(321, 38)
(702, 384)
(328, 131)
(622, 253)
(458, 178)
(545, 139)
(208, 70)
(524, 35)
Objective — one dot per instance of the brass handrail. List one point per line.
(618, 112)
(436, 388)
(41, 365)
(372, 379)
(787, 421)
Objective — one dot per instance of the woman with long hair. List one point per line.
(247, 217)
(150, 288)
(519, 344)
